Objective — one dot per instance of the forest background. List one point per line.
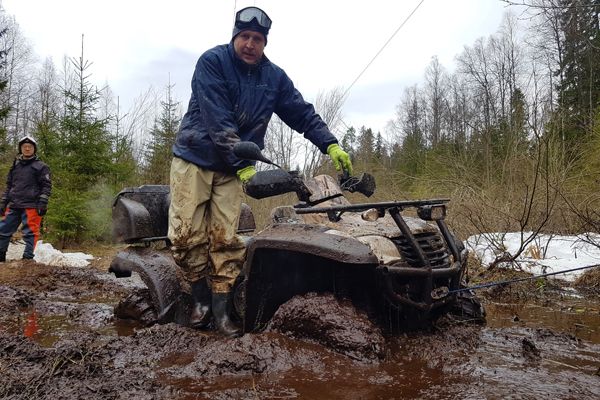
(511, 136)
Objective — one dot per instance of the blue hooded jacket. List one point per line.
(234, 101)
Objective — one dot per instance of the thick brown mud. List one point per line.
(59, 340)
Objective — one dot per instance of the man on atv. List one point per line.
(235, 91)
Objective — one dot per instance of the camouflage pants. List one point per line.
(203, 219)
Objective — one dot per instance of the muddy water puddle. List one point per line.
(575, 316)
(59, 339)
(43, 303)
(46, 330)
(523, 352)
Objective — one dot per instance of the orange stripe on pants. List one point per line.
(34, 222)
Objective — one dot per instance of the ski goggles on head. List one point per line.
(247, 14)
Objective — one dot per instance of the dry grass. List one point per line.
(261, 209)
(589, 281)
(103, 254)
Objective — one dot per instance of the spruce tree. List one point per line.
(348, 142)
(366, 145)
(162, 138)
(579, 91)
(124, 162)
(379, 150)
(83, 162)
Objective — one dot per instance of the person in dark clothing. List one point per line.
(235, 91)
(25, 200)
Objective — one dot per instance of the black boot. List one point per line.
(2, 257)
(201, 309)
(224, 324)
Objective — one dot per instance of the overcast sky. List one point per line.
(324, 44)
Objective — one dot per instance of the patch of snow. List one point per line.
(46, 254)
(15, 251)
(546, 254)
(572, 292)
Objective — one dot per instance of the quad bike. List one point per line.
(398, 268)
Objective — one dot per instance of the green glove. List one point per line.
(246, 173)
(340, 158)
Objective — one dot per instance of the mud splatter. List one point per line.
(332, 323)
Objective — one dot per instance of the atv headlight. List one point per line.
(432, 212)
(370, 215)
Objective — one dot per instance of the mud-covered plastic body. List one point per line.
(389, 264)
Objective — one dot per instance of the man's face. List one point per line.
(27, 149)
(249, 46)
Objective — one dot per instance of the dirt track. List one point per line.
(59, 340)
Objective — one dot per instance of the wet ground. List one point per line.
(59, 340)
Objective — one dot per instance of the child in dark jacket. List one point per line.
(25, 200)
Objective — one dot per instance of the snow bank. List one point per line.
(46, 254)
(547, 254)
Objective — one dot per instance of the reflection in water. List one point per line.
(47, 329)
(31, 325)
(576, 317)
(123, 327)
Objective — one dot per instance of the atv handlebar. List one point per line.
(251, 151)
(275, 182)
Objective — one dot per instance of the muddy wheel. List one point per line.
(239, 299)
(137, 306)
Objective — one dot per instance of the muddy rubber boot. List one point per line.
(201, 309)
(224, 324)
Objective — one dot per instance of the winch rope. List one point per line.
(381, 49)
(507, 282)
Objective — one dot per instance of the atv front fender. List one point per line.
(289, 259)
(311, 239)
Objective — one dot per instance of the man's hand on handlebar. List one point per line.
(341, 159)
(246, 173)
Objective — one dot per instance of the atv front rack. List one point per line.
(335, 212)
(394, 208)
(424, 270)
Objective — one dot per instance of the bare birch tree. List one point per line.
(289, 149)
(20, 72)
(435, 89)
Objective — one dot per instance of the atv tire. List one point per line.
(137, 306)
